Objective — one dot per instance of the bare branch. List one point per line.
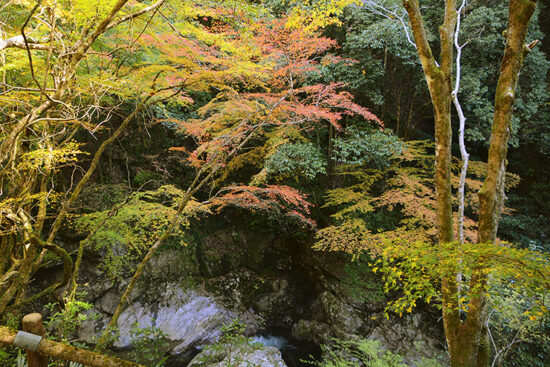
(19, 42)
(391, 14)
(152, 7)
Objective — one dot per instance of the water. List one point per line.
(273, 341)
(294, 352)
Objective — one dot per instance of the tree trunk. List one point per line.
(467, 340)
(491, 195)
(439, 80)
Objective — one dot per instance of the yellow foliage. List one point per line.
(316, 14)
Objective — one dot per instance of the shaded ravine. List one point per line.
(276, 285)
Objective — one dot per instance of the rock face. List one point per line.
(339, 313)
(190, 292)
(409, 338)
(183, 315)
(187, 317)
(256, 355)
(267, 281)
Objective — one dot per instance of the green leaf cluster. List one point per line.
(370, 149)
(296, 160)
(123, 236)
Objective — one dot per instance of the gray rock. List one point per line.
(318, 332)
(406, 337)
(108, 302)
(184, 315)
(243, 356)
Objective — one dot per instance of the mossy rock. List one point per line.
(239, 356)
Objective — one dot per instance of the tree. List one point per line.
(466, 339)
(462, 270)
(265, 94)
(47, 97)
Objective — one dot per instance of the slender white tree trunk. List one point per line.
(462, 125)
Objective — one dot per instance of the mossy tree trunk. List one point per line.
(67, 352)
(439, 80)
(467, 339)
(24, 241)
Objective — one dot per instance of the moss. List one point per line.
(125, 235)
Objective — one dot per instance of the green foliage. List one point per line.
(296, 160)
(148, 345)
(357, 353)
(21, 361)
(225, 60)
(371, 149)
(233, 332)
(513, 325)
(388, 74)
(415, 268)
(231, 346)
(95, 198)
(374, 205)
(41, 158)
(65, 322)
(124, 235)
(143, 178)
(483, 25)
(10, 320)
(8, 356)
(403, 248)
(360, 282)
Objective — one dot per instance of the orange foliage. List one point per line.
(275, 201)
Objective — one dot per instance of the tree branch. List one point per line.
(421, 38)
(19, 42)
(128, 17)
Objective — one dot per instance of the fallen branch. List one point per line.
(68, 352)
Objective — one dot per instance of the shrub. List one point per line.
(296, 160)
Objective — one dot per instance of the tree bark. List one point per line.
(491, 195)
(439, 80)
(467, 340)
(67, 352)
(10, 149)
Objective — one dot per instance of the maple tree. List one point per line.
(389, 212)
(274, 98)
(261, 102)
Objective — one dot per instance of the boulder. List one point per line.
(185, 316)
(256, 355)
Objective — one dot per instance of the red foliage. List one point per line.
(266, 90)
(275, 201)
(281, 97)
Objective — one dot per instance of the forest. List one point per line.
(286, 183)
